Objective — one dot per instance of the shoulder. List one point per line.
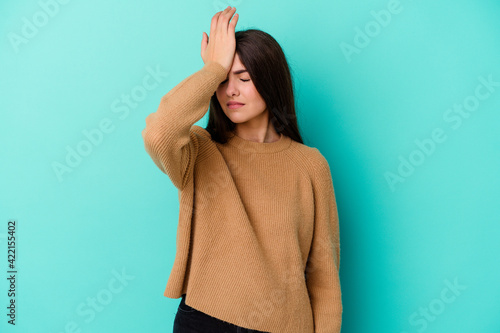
(319, 171)
(313, 160)
(202, 134)
(206, 146)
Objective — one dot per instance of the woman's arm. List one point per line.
(322, 268)
(167, 137)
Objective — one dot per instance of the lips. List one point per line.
(234, 103)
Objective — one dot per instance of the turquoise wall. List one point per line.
(401, 97)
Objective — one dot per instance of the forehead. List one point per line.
(237, 67)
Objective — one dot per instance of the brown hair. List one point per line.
(268, 68)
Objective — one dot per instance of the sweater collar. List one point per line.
(259, 147)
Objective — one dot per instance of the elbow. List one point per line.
(148, 143)
(148, 133)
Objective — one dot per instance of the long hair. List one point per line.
(268, 68)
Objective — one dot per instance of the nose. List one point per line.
(231, 89)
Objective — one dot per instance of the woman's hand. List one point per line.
(222, 44)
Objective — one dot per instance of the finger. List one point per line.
(213, 23)
(229, 12)
(224, 19)
(203, 43)
(233, 22)
(231, 17)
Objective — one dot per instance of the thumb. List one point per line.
(203, 43)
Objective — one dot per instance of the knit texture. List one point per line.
(258, 233)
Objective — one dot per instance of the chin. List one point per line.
(237, 120)
(235, 117)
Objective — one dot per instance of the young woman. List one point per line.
(257, 247)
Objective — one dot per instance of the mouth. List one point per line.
(234, 105)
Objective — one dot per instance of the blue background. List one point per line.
(403, 246)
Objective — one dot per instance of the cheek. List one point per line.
(220, 96)
(251, 94)
(255, 97)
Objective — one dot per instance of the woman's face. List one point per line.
(239, 87)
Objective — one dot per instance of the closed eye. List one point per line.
(240, 79)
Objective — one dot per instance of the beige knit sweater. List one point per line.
(258, 232)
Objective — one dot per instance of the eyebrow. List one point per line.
(239, 72)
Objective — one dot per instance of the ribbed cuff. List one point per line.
(216, 68)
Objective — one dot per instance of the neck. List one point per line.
(261, 134)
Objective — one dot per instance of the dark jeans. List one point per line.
(190, 320)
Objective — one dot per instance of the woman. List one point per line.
(257, 247)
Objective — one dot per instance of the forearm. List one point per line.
(166, 135)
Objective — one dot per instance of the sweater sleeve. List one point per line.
(168, 138)
(322, 268)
